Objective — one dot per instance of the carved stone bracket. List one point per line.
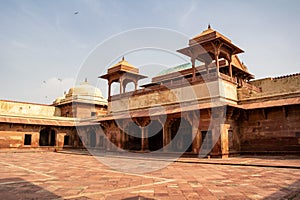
(142, 121)
(230, 112)
(219, 112)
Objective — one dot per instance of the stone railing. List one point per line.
(228, 78)
(170, 84)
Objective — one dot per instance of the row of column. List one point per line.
(217, 53)
(219, 139)
(122, 86)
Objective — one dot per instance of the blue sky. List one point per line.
(43, 44)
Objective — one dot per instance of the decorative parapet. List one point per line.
(271, 88)
(287, 76)
(203, 89)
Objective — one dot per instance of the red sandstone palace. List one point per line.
(216, 108)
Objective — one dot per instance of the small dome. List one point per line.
(83, 93)
(85, 89)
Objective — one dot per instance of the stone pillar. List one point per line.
(196, 139)
(119, 139)
(216, 148)
(230, 66)
(121, 86)
(135, 85)
(224, 140)
(35, 139)
(124, 88)
(109, 89)
(230, 69)
(166, 138)
(194, 68)
(123, 138)
(220, 139)
(146, 143)
(217, 63)
(206, 67)
(60, 140)
(144, 140)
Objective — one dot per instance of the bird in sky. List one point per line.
(77, 12)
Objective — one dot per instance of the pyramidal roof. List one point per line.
(208, 34)
(124, 66)
(123, 62)
(237, 63)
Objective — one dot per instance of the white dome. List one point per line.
(85, 89)
(84, 93)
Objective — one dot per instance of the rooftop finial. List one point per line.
(85, 80)
(209, 26)
(123, 58)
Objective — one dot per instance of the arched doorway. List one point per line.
(47, 137)
(92, 138)
(155, 136)
(134, 137)
(181, 135)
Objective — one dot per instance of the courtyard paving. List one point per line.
(49, 175)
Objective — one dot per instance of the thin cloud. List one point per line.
(187, 13)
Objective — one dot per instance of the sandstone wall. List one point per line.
(272, 88)
(278, 85)
(12, 135)
(203, 92)
(19, 108)
(271, 130)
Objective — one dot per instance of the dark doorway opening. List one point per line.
(80, 141)
(66, 140)
(93, 140)
(134, 137)
(181, 135)
(206, 140)
(155, 136)
(27, 139)
(47, 137)
(52, 138)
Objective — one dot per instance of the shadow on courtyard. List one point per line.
(16, 188)
(290, 192)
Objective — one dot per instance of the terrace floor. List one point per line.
(49, 175)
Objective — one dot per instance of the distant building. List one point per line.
(26, 125)
(215, 108)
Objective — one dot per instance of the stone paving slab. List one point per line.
(50, 175)
(286, 161)
(259, 161)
